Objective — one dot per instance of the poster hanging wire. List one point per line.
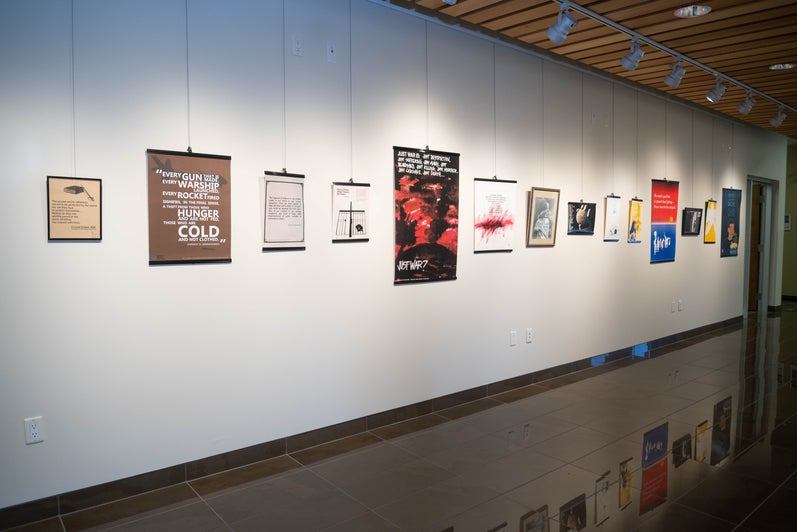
(426, 28)
(187, 81)
(636, 140)
(74, 114)
(582, 136)
(284, 94)
(614, 177)
(351, 103)
(495, 121)
(692, 116)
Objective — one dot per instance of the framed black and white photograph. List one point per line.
(690, 221)
(74, 208)
(350, 210)
(580, 218)
(543, 213)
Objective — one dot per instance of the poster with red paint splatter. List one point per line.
(426, 197)
(494, 214)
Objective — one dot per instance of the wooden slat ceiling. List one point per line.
(739, 39)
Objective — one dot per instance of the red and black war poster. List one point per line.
(427, 214)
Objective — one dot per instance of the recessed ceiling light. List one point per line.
(692, 11)
(783, 66)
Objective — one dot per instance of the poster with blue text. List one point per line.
(426, 198)
(729, 237)
(663, 220)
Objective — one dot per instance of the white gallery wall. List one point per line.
(135, 367)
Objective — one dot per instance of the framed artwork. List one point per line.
(701, 445)
(624, 480)
(493, 214)
(721, 431)
(602, 499)
(535, 520)
(543, 213)
(731, 205)
(710, 229)
(283, 211)
(611, 224)
(426, 200)
(350, 210)
(580, 218)
(663, 220)
(635, 221)
(189, 207)
(690, 221)
(74, 208)
(682, 450)
(573, 514)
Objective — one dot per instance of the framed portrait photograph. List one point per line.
(535, 520)
(690, 221)
(580, 218)
(74, 208)
(543, 213)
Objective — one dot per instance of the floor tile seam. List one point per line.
(211, 508)
(246, 485)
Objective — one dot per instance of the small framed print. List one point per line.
(350, 211)
(74, 208)
(690, 221)
(580, 218)
(543, 212)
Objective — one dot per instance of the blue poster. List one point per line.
(663, 220)
(662, 242)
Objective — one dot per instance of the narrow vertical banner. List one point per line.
(611, 223)
(426, 197)
(189, 207)
(731, 205)
(663, 220)
(710, 230)
(654, 468)
(635, 221)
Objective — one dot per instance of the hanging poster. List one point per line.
(426, 193)
(74, 208)
(710, 229)
(663, 220)
(543, 213)
(690, 221)
(626, 476)
(494, 214)
(283, 211)
(611, 224)
(350, 209)
(654, 469)
(635, 221)
(731, 204)
(189, 207)
(580, 218)
(721, 431)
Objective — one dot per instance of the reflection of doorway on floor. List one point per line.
(755, 248)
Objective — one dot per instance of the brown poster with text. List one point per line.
(189, 207)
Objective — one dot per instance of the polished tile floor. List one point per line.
(554, 449)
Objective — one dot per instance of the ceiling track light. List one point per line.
(715, 94)
(778, 119)
(631, 60)
(565, 22)
(747, 105)
(673, 79)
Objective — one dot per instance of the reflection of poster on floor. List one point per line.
(729, 236)
(654, 468)
(701, 445)
(611, 223)
(426, 192)
(663, 220)
(350, 210)
(624, 483)
(189, 207)
(721, 431)
(573, 514)
(710, 227)
(283, 211)
(535, 520)
(681, 450)
(494, 214)
(635, 221)
(602, 498)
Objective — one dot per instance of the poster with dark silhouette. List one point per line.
(721, 431)
(663, 220)
(580, 218)
(691, 221)
(426, 197)
(729, 235)
(189, 207)
(493, 214)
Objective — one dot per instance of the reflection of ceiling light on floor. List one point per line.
(783, 66)
(692, 11)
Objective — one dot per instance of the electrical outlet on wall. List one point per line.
(34, 430)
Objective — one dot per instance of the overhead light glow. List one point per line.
(715, 94)
(692, 11)
(561, 28)
(673, 79)
(631, 60)
(783, 66)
